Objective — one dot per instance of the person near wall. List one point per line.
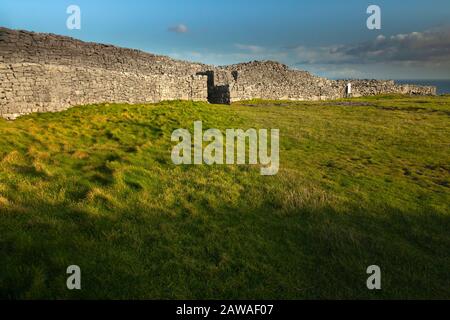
(348, 90)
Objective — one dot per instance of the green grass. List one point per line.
(361, 182)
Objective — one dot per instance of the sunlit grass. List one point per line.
(361, 182)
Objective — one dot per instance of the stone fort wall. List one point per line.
(45, 72)
(275, 81)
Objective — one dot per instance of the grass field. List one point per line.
(361, 182)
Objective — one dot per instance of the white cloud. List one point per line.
(411, 55)
(180, 28)
(415, 54)
(428, 47)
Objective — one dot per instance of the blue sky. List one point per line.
(329, 38)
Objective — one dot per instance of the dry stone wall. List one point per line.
(42, 48)
(374, 87)
(45, 72)
(31, 87)
(273, 80)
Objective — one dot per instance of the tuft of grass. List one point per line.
(362, 181)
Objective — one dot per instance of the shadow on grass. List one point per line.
(226, 254)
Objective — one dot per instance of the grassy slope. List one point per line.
(359, 184)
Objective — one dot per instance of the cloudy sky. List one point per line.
(327, 37)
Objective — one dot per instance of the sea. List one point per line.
(443, 86)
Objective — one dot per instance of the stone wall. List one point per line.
(275, 81)
(23, 46)
(31, 87)
(374, 87)
(45, 72)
